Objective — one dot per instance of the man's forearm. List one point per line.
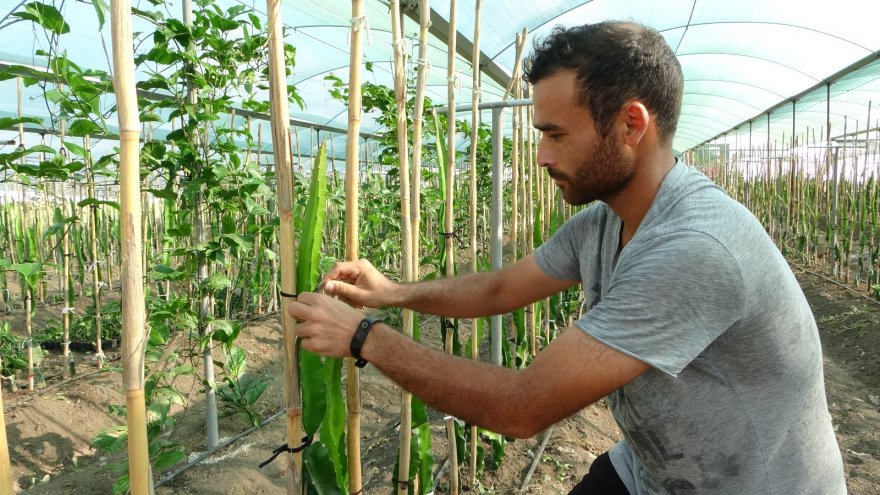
(466, 296)
(449, 383)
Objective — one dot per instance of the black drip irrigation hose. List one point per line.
(525, 484)
(835, 282)
(204, 455)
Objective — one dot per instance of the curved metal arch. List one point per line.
(714, 95)
(729, 81)
(685, 103)
(689, 25)
(750, 56)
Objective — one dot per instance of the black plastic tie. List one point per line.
(306, 441)
(285, 294)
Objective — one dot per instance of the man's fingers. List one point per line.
(339, 289)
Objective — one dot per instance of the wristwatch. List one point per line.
(360, 335)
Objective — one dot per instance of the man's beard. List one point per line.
(604, 172)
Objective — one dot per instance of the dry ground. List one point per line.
(49, 431)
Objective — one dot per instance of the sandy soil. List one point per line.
(50, 430)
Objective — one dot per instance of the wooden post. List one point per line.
(405, 230)
(475, 138)
(5, 468)
(283, 173)
(450, 225)
(352, 240)
(134, 335)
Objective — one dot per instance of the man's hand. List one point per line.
(326, 325)
(359, 283)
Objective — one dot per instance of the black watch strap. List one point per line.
(357, 341)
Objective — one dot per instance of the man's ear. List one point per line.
(637, 120)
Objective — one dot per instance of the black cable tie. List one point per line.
(454, 234)
(285, 294)
(449, 324)
(306, 441)
(404, 484)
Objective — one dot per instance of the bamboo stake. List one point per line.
(450, 225)
(96, 265)
(418, 113)
(5, 467)
(403, 480)
(352, 240)
(283, 172)
(68, 279)
(133, 313)
(475, 138)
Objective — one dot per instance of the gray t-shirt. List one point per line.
(734, 401)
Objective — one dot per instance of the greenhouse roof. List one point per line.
(745, 62)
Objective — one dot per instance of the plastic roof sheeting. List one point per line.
(740, 59)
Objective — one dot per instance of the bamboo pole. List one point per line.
(133, 313)
(96, 264)
(418, 114)
(5, 467)
(68, 278)
(283, 173)
(475, 138)
(352, 240)
(450, 225)
(403, 480)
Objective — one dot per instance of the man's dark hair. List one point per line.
(614, 62)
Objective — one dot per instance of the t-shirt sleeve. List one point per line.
(668, 300)
(559, 255)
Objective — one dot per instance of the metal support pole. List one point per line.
(496, 245)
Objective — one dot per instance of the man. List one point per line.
(697, 331)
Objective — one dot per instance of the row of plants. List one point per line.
(822, 209)
(211, 226)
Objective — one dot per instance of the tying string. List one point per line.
(306, 441)
(423, 62)
(356, 24)
(285, 294)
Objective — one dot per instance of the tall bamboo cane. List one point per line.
(450, 225)
(96, 265)
(418, 112)
(26, 286)
(352, 240)
(405, 230)
(283, 173)
(68, 278)
(133, 326)
(405, 451)
(475, 138)
(5, 468)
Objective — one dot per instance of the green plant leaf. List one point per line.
(333, 426)
(216, 281)
(122, 484)
(75, 149)
(313, 225)
(83, 127)
(29, 271)
(10, 122)
(317, 459)
(168, 458)
(45, 15)
(314, 396)
(100, 9)
(97, 202)
(112, 439)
